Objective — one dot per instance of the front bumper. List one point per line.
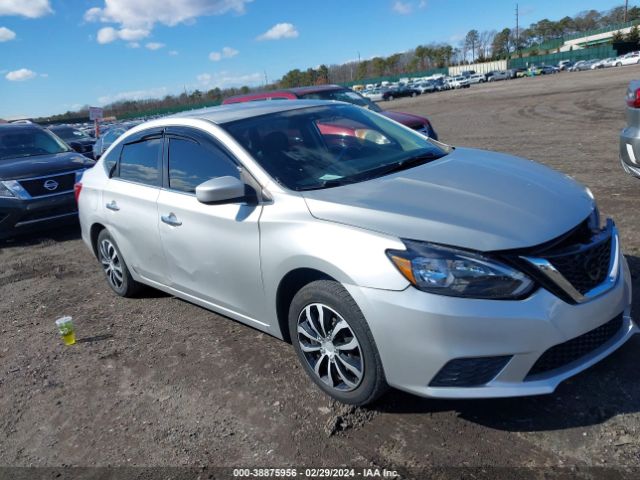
(19, 216)
(417, 334)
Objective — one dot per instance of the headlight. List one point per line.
(458, 273)
(5, 192)
(595, 222)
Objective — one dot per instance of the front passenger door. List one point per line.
(212, 251)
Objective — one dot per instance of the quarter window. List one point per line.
(191, 164)
(139, 162)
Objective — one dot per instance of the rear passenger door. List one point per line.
(212, 251)
(130, 204)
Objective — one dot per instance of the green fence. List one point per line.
(395, 78)
(608, 28)
(604, 51)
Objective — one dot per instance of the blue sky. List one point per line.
(57, 55)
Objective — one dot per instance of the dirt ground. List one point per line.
(157, 381)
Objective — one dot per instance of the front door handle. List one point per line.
(171, 220)
(112, 205)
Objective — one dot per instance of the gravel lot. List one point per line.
(158, 381)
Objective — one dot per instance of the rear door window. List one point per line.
(140, 161)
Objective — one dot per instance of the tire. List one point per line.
(414, 94)
(326, 357)
(114, 267)
(618, 64)
(390, 97)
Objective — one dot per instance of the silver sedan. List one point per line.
(385, 258)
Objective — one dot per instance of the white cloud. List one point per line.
(227, 52)
(143, 15)
(20, 75)
(173, 53)
(107, 35)
(133, 45)
(25, 8)
(154, 45)
(280, 30)
(403, 8)
(6, 34)
(227, 79)
(110, 34)
(133, 95)
(131, 34)
(44, 75)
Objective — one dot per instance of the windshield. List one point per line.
(348, 96)
(28, 143)
(69, 134)
(327, 146)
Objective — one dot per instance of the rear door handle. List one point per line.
(112, 205)
(171, 220)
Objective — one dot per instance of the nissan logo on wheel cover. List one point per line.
(50, 185)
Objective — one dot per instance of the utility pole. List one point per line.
(266, 80)
(517, 30)
(626, 8)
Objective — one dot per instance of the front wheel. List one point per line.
(414, 94)
(334, 344)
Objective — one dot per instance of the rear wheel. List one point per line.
(334, 344)
(115, 269)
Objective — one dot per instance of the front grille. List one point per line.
(576, 348)
(469, 372)
(36, 186)
(587, 268)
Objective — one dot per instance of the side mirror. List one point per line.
(76, 146)
(220, 190)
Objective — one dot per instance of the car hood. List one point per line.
(42, 165)
(471, 199)
(405, 118)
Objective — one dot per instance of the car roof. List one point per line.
(240, 111)
(19, 127)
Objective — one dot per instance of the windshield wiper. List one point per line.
(337, 182)
(403, 164)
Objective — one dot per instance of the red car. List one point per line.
(342, 94)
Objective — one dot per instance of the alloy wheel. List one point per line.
(330, 347)
(111, 264)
